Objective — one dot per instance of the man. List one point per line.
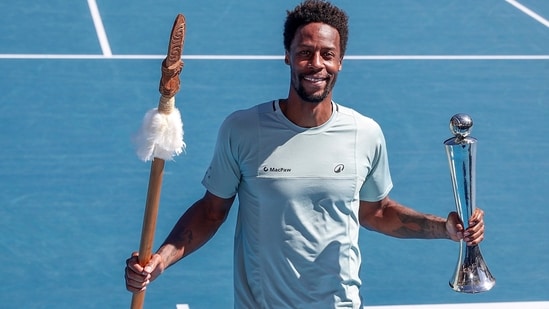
(308, 172)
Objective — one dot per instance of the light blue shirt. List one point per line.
(296, 239)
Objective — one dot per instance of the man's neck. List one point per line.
(306, 114)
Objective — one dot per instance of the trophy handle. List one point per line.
(472, 274)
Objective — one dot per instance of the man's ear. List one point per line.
(286, 58)
(340, 64)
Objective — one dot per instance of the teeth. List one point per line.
(312, 79)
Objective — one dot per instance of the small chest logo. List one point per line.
(339, 168)
(276, 169)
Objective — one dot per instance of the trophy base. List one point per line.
(473, 288)
(472, 275)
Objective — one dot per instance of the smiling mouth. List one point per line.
(313, 79)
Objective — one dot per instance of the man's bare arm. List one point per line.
(195, 227)
(391, 218)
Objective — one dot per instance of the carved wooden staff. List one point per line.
(160, 139)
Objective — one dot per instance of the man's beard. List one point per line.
(312, 98)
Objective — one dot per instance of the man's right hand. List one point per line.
(138, 277)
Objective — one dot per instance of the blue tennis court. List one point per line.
(78, 76)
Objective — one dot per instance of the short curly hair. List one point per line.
(311, 11)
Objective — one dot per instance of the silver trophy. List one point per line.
(472, 274)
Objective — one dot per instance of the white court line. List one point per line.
(98, 23)
(499, 305)
(449, 57)
(529, 12)
(271, 57)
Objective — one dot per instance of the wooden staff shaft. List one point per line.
(149, 222)
(169, 86)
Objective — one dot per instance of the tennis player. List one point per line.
(308, 172)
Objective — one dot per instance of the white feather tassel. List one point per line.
(160, 136)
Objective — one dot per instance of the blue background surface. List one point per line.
(72, 189)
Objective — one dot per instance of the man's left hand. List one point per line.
(473, 235)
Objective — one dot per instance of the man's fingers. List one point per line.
(152, 264)
(133, 263)
(474, 234)
(476, 216)
(475, 231)
(137, 277)
(136, 283)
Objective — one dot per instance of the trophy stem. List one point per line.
(471, 274)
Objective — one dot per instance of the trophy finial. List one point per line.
(460, 125)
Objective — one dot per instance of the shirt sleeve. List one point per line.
(378, 182)
(223, 175)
